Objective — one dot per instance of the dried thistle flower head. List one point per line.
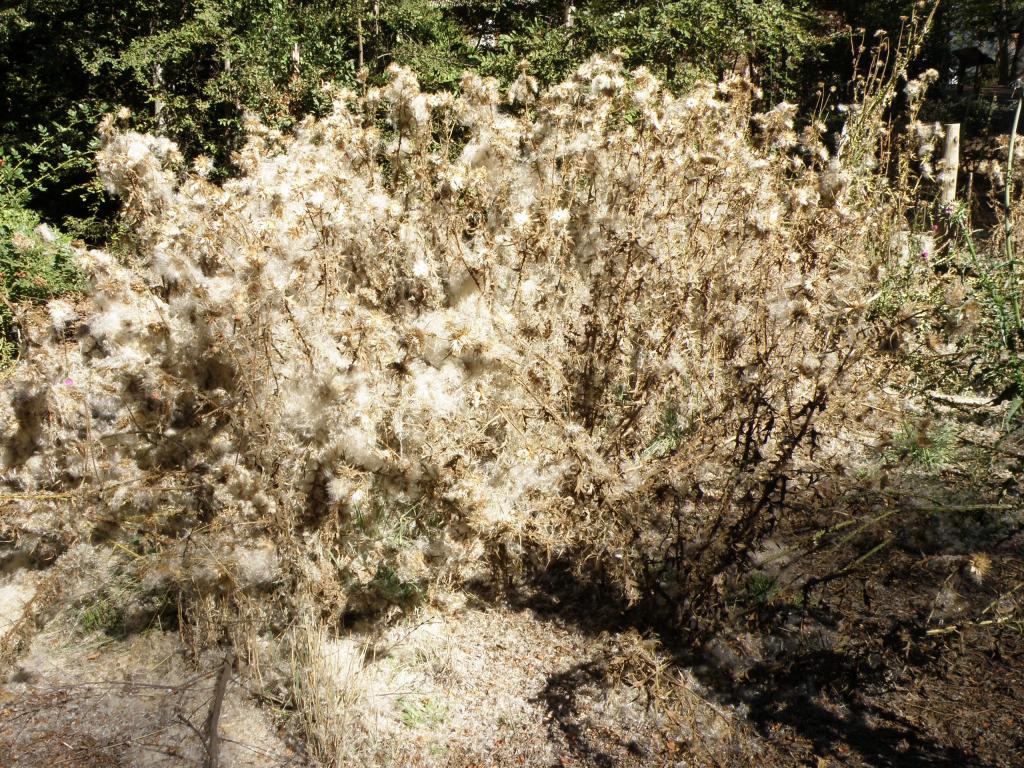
(978, 567)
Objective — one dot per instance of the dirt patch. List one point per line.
(858, 676)
(878, 634)
(490, 685)
(909, 657)
(138, 702)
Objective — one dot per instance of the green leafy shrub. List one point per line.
(192, 69)
(36, 261)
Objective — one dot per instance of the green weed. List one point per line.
(670, 435)
(760, 589)
(392, 588)
(102, 616)
(421, 712)
(925, 444)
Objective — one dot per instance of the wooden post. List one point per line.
(158, 102)
(359, 33)
(950, 164)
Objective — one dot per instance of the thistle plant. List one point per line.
(611, 325)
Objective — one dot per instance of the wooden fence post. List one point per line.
(158, 99)
(951, 164)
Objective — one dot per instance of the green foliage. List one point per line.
(389, 587)
(760, 589)
(669, 437)
(192, 68)
(102, 616)
(973, 305)
(926, 444)
(422, 36)
(998, 281)
(186, 68)
(35, 262)
(33, 269)
(421, 712)
(678, 41)
(124, 606)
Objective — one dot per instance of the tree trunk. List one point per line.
(1018, 46)
(359, 31)
(1003, 56)
(951, 164)
(158, 102)
(157, 78)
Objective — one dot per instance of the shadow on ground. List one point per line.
(900, 659)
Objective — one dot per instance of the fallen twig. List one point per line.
(973, 401)
(985, 623)
(212, 737)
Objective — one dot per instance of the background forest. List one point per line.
(191, 70)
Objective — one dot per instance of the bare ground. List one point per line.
(864, 675)
(893, 637)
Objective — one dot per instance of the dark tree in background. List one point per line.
(191, 68)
